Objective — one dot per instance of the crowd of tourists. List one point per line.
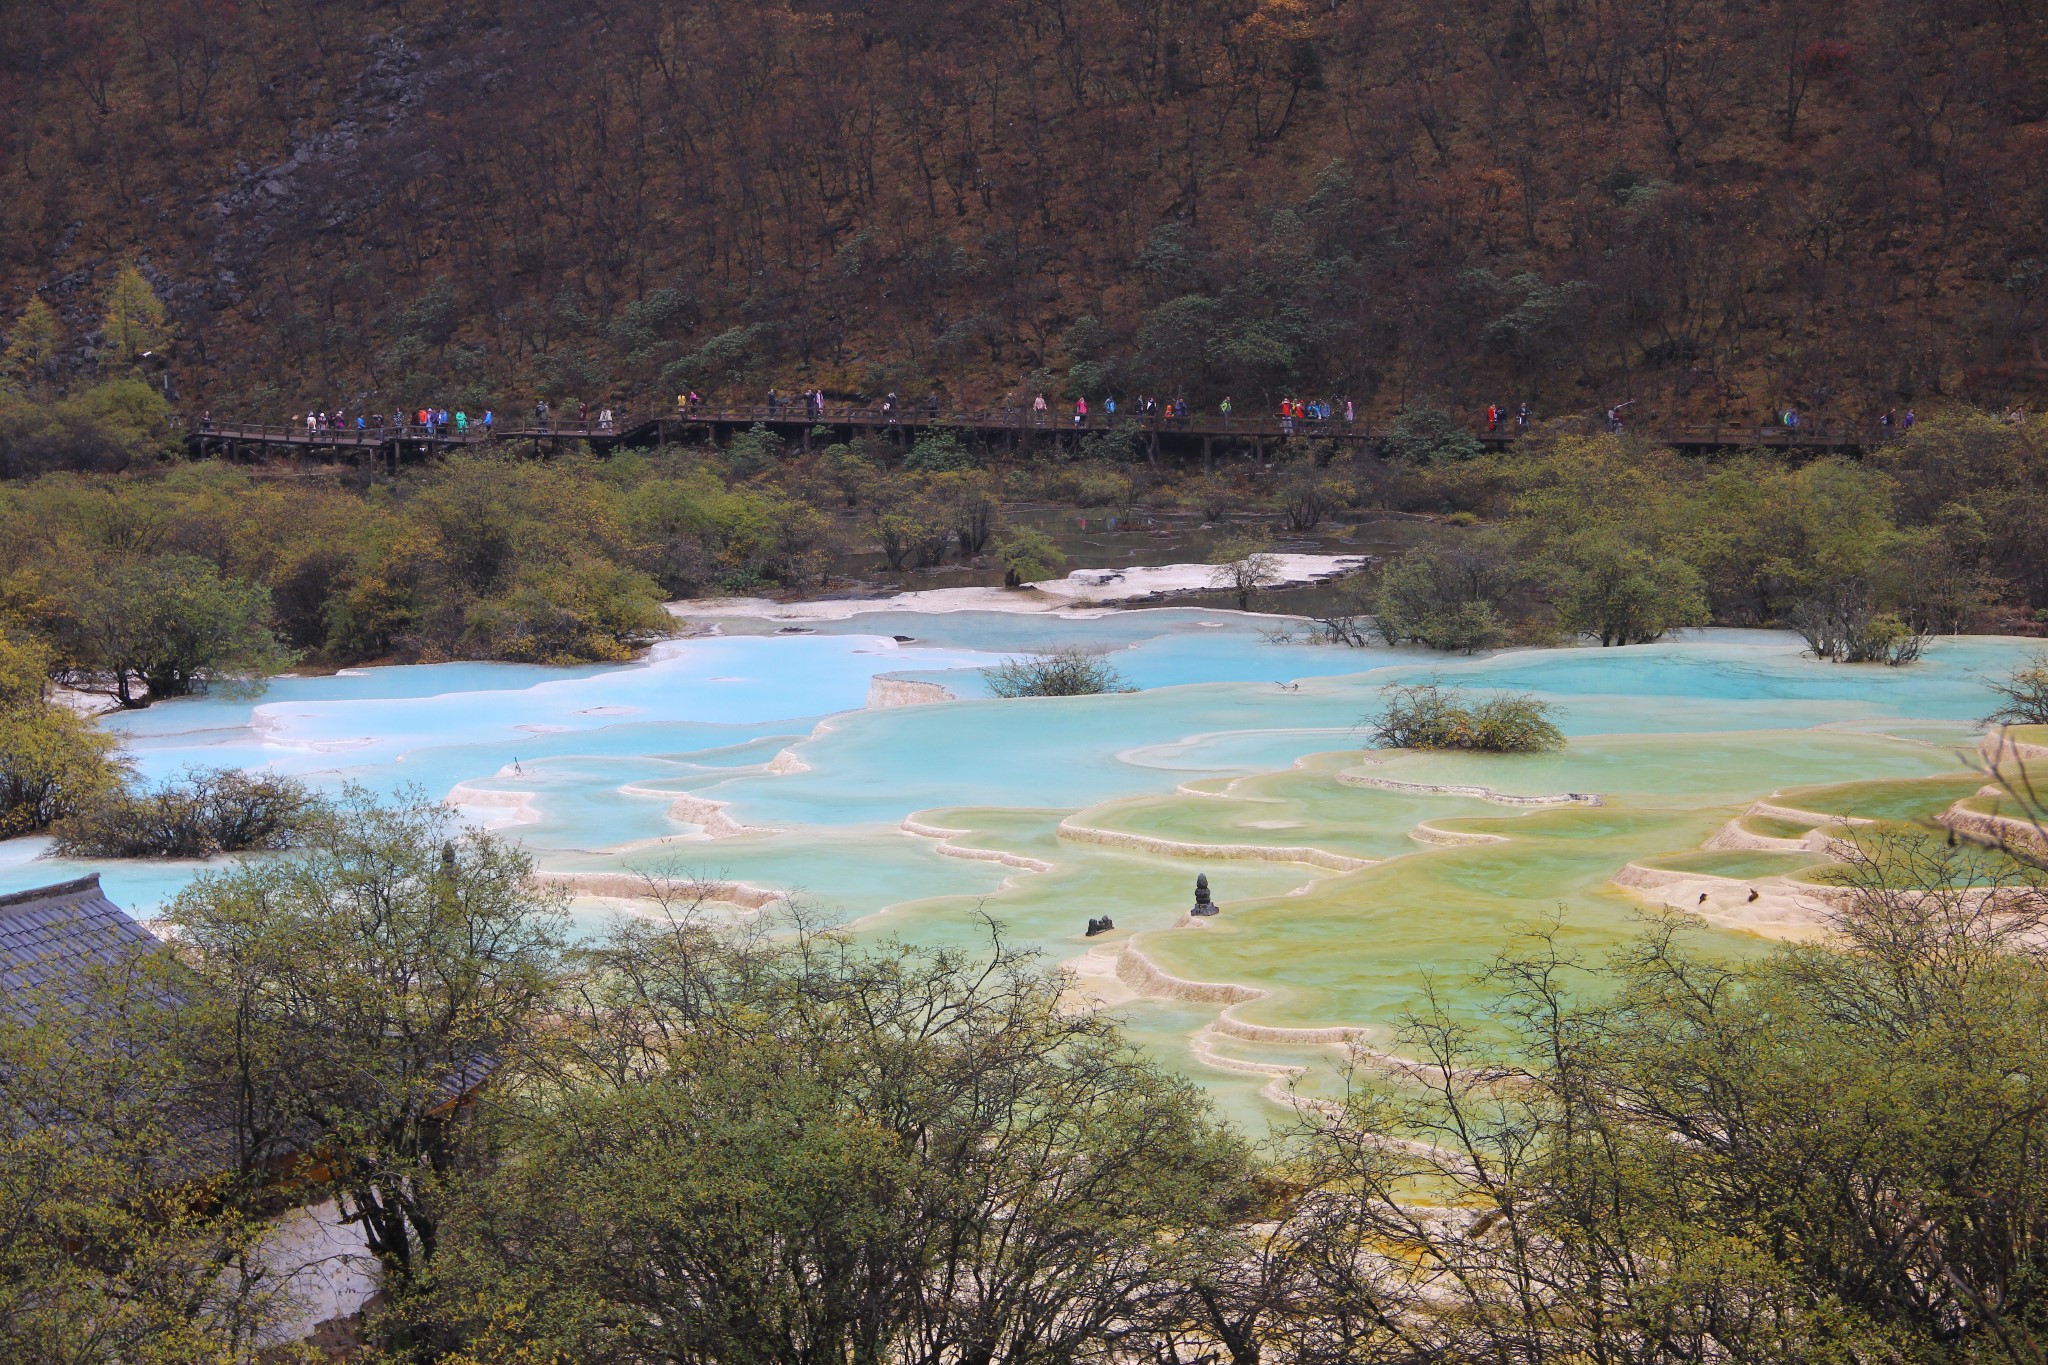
(439, 423)
(1496, 414)
(1295, 414)
(421, 423)
(1295, 410)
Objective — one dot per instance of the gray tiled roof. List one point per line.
(56, 944)
(60, 946)
(60, 934)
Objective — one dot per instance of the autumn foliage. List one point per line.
(1719, 209)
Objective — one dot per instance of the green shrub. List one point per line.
(1621, 594)
(939, 452)
(1446, 598)
(1211, 495)
(1027, 556)
(1105, 488)
(210, 812)
(753, 452)
(1423, 435)
(1307, 494)
(1055, 673)
(569, 615)
(1427, 716)
(53, 762)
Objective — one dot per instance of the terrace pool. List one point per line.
(1347, 879)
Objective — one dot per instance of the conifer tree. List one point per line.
(31, 345)
(135, 321)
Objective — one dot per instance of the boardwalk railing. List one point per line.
(1017, 420)
(295, 433)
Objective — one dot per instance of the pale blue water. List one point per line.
(705, 716)
(600, 752)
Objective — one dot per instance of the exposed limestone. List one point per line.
(1735, 836)
(1498, 798)
(2001, 751)
(885, 692)
(701, 811)
(1180, 848)
(1771, 907)
(519, 804)
(950, 849)
(1143, 975)
(2021, 837)
(1274, 1033)
(631, 886)
(1080, 590)
(1807, 817)
(1426, 833)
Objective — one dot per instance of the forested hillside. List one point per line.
(1718, 208)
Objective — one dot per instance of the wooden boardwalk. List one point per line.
(1175, 437)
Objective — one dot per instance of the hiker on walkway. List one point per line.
(1080, 412)
(1286, 417)
(461, 422)
(540, 413)
(1493, 417)
(1038, 410)
(490, 418)
(1906, 422)
(1522, 417)
(1226, 407)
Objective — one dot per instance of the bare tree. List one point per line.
(1245, 566)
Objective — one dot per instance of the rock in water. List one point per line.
(1203, 905)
